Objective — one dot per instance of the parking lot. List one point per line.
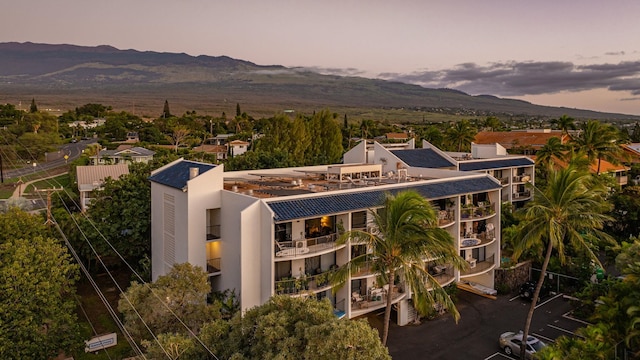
(481, 323)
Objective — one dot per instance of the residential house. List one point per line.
(238, 147)
(91, 178)
(220, 151)
(123, 154)
(274, 231)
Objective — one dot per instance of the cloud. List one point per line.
(334, 71)
(615, 53)
(528, 78)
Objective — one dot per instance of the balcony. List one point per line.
(479, 267)
(504, 181)
(522, 195)
(474, 240)
(304, 284)
(305, 247)
(523, 178)
(477, 211)
(213, 232)
(446, 218)
(365, 270)
(443, 274)
(213, 267)
(376, 298)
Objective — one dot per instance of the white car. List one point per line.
(510, 343)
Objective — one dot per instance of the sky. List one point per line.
(578, 54)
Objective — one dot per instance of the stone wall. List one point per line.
(509, 279)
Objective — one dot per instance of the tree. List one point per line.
(570, 211)
(294, 328)
(552, 149)
(599, 142)
(492, 123)
(37, 277)
(33, 108)
(166, 113)
(181, 294)
(121, 212)
(179, 135)
(460, 135)
(406, 235)
(238, 112)
(564, 123)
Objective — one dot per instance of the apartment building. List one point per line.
(274, 231)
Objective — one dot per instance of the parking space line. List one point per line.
(567, 316)
(553, 298)
(543, 337)
(498, 354)
(513, 298)
(561, 329)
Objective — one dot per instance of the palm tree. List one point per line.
(564, 123)
(552, 149)
(406, 236)
(599, 141)
(460, 135)
(570, 211)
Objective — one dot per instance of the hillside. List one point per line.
(66, 76)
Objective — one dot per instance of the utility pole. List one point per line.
(49, 217)
(1, 171)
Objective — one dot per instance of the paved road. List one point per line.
(476, 335)
(74, 150)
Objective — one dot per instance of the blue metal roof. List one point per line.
(177, 175)
(339, 203)
(424, 158)
(495, 164)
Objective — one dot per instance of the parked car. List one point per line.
(527, 289)
(510, 343)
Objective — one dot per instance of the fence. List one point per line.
(560, 283)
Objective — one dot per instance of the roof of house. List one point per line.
(337, 203)
(605, 166)
(90, 177)
(177, 175)
(424, 158)
(511, 139)
(495, 163)
(397, 136)
(211, 148)
(132, 151)
(238, 142)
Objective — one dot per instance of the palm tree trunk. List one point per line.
(534, 301)
(599, 160)
(387, 310)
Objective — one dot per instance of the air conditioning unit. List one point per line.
(300, 244)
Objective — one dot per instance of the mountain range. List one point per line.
(70, 76)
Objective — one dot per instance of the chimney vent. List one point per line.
(193, 172)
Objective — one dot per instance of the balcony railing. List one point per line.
(213, 266)
(305, 283)
(521, 178)
(504, 180)
(477, 211)
(375, 298)
(362, 226)
(365, 269)
(443, 274)
(303, 247)
(213, 232)
(522, 194)
(477, 239)
(477, 267)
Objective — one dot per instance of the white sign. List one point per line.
(101, 342)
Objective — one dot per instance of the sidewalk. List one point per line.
(19, 191)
